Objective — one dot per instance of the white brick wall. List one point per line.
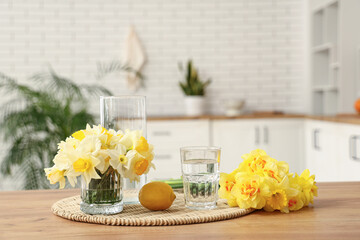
(252, 49)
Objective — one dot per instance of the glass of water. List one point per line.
(200, 172)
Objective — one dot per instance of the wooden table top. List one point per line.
(335, 215)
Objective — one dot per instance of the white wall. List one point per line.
(252, 49)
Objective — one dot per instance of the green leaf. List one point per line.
(38, 116)
(193, 84)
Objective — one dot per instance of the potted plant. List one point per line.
(194, 90)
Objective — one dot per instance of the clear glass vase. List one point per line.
(121, 113)
(102, 196)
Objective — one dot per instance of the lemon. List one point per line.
(156, 196)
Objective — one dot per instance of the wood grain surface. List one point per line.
(335, 215)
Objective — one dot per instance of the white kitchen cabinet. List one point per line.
(321, 150)
(330, 150)
(283, 140)
(280, 138)
(235, 137)
(168, 137)
(348, 157)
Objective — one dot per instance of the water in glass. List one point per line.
(201, 177)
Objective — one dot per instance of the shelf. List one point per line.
(321, 68)
(325, 63)
(331, 30)
(318, 27)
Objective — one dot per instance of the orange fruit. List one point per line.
(156, 196)
(357, 105)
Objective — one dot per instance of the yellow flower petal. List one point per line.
(79, 135)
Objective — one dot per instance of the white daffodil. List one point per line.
(109, 139)
(90, 144)
(85, 166)
(62, 160)
(103, 156)
(118, 159)
(96, 129)
(69, 144)
(84, 160)
(95, 149)
(55, 175)
(127, 140)
(137, 165)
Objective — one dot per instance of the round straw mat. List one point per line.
(136, 215)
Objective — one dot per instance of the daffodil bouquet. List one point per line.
(263, 182)
(97, 155)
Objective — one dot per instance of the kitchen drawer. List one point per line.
(168, 137)
(167, 163)
(177, 134)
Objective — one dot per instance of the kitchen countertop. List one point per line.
(223, 117)
(335, 215)
(341, 118)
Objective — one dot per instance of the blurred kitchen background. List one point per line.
(285, 74)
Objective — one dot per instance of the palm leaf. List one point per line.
(38, 116)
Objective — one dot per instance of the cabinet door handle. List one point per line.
(162, 133)
(352, 148)
(266, 135)
(257, 135)
(316, 139)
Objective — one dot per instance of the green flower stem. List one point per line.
(106, 190)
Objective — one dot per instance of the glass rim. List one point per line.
(200, 148)
(122, 96)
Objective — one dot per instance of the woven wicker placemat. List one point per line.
(137, 215)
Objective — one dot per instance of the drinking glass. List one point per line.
(200, 172)
(121, 113)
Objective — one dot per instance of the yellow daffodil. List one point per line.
(308, 186)
(280, 195)
(295, 203)
(227, 182)
(250, 191)
(55, 175)
(141, 145)
(257, 162)
(263, 182)
(254, 154)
